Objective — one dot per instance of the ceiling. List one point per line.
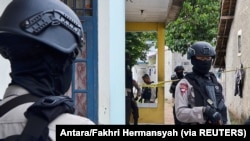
(152, 10)
(227, 10)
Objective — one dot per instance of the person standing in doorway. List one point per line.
(134, 106)
(128, 88)
(131, 105)
(149, 94)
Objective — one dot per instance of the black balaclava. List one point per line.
(201, 67)
(41, 70)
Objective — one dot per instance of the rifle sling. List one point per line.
(17, 101)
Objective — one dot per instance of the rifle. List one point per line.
(211, 100)
(215, 109)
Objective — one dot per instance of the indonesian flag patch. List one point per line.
(183, 88)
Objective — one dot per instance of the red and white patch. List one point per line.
(183, 88)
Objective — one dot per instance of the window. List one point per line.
(81, 7)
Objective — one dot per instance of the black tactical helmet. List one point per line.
(201, 48)
(179, 68)
(48, 21)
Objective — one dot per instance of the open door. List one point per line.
(153, 113)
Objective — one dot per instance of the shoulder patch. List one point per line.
(183, 88)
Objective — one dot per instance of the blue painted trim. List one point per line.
(90, 27)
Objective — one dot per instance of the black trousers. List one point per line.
(131, 107)
(127, 109)
(135, 111)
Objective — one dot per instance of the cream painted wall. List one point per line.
(239, 106)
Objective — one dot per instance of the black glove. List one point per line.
(140, 100)
(136, 98)
(212, 115)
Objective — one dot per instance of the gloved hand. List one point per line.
(140, 100)
(213, 116)
(136, 98)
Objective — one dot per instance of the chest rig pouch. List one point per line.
(208, 91)
(39, 115)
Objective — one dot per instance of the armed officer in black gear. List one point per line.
(179, 74)
(199, 96)
(41, 39)
(131, 105)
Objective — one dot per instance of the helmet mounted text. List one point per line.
(39, 22)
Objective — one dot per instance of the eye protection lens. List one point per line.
(204, 58)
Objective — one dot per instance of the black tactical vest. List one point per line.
(208, 91)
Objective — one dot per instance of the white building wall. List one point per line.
(239, 106)
(138, 71)
(111, 62)
(4, 63)
(168, 72)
